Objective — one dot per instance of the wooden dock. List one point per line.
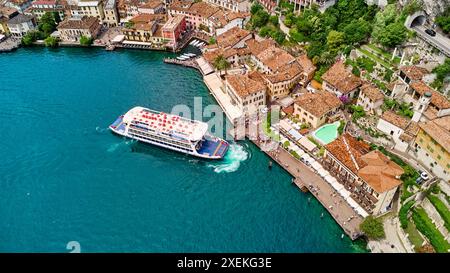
(192, 63)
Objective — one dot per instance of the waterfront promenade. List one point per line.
(303, 176)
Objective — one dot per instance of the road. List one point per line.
(439, 41)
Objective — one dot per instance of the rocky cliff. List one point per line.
(431, 7)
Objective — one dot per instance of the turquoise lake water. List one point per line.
(64, 177)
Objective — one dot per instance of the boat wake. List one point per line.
(232, 160)
(127, 143)
(100, 130)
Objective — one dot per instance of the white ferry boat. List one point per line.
(171, 132)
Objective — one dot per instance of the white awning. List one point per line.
(296, 135)
(306, 156)
(284, 125)
(329, 179)
(337, 186)
(322, 172)
(361, 212)
(137, 43)
(305, 142)
(118, 39)
(345, 193)
(316, 166)
(352, 203)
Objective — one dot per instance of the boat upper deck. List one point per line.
(174, 125)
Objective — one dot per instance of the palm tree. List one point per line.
(220, 63)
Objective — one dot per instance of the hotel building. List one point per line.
(315, 109)
(370, 177)
(72, 29)
(245, 93)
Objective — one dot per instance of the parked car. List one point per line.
(430, 32)
(424, 176)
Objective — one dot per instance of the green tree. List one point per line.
(357, 31)
(442, 71)
(255, 8)
(383, 18)
(373, 228)
(273, 20)
(335, 39)
(129, 24)
(220, 63)
(212, 41)
(51, 41)
(259, 19)
(85, 41)
(56, 17)
(278, 36)
(264, 31)
(29, 38)
(392, 35)
(47, 24)
(444, 21)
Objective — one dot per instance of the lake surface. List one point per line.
(65, 177)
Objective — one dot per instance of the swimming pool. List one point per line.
(327, 133)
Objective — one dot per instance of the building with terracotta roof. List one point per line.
(151, 7)
(308, 69)
(112, 17)
(273, 59)
(21, 24)
(280, 84)
(145, 28)
(173, 30)
(19, 5)
(438, 103)
(370, 177)
(314, 109)
(432, 146)
(90, 8)
(206, 17)
(410, 73)
(72, 29)
(256, 47)
(233, 5)
(6, 14)
(233, 38)
(392, 124)
(400, 129)
(246, 93)
(339, 81)
(370, 98)
(40, 7)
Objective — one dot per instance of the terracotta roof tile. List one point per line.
(439, 130)
(243, 85)
(395, 119)
(372, 92)
(437, 98)
(351, 154)
(340, 78)
(413, 72)
(319, 103)
(381, 173)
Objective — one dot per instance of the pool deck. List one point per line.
(307, 180)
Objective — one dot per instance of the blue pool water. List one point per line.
(327, 133)
(64, 177)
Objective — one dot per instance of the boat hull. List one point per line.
(116, 131)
